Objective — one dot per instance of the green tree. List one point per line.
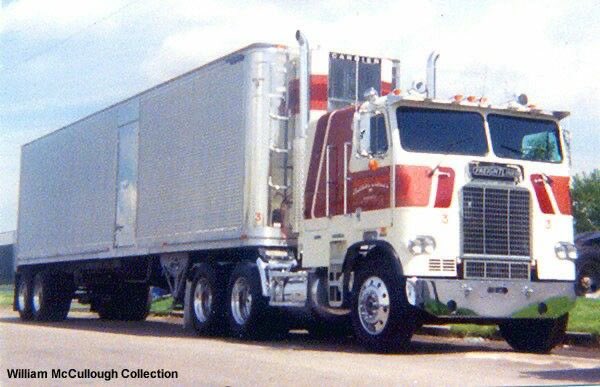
(586, 201)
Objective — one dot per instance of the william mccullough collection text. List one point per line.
(110, 374)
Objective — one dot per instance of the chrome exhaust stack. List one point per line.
(304, 85)
(432, 74)
(299, 144)
(396, 74)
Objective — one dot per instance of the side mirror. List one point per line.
(522, 99)
(419, 87)
(567, 141)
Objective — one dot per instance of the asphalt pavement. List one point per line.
(84, 350)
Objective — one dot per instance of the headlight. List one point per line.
(421, 245)
(565, 250)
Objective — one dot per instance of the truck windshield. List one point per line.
(525, 138)
(441, 131)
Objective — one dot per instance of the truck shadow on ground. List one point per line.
(571, 375)
(170, 327)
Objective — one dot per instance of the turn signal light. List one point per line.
(373, 165)
(396, 91)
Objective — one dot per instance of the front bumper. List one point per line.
(489, 299)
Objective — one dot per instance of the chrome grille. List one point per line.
(496, 270)
(495, 221)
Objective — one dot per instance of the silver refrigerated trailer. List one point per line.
(190, 170)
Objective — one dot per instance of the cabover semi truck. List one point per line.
(282, 184)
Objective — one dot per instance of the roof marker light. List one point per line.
(396, 91)
(471, 98)
(458, 98)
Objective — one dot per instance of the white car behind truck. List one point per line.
(280, 184)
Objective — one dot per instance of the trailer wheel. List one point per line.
(249, 314)
(23, 298)
(534, 335)
(127, 302)
(207, 301)
(382, 318)
(51, 297)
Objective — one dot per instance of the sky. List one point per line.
(61, 60)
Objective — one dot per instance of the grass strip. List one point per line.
(585, 318)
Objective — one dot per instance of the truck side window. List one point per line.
(378, 135)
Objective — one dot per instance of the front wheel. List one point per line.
(588, 279)
(382, 318)
(534, 335)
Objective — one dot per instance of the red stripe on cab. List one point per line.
(562, 193)
(413, 186)
(543, 199)
(443, 196)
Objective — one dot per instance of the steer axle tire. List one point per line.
(382, 318)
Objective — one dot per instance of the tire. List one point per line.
(207, 301)
(249, 315)
(382, 318)
(534, 335)
(127, 302)
(23, 299)
(51, 297)
(588, 279)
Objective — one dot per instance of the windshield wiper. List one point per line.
(447, 148)
(515, 151)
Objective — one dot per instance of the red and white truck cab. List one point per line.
(439, 209)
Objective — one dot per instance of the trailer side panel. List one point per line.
(192, 142)
(67, 190)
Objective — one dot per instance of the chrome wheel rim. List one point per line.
(241, 301)
(37, 296)
(589, 279)
(373, 305)
(203, 299)
(21, 296)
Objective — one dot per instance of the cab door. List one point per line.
(371, 172)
